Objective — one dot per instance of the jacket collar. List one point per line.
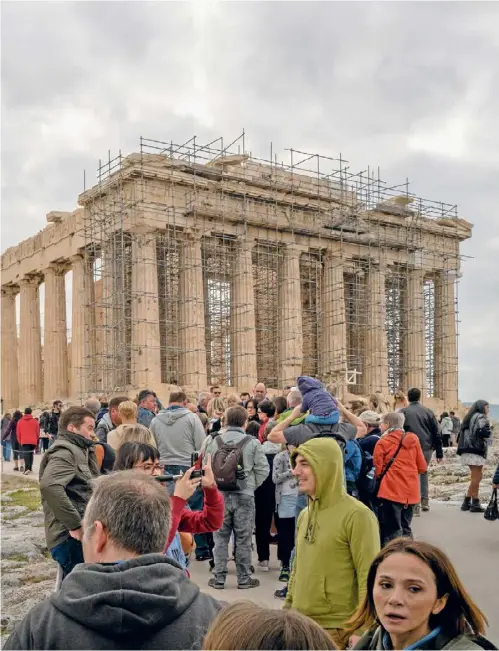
(76, 439)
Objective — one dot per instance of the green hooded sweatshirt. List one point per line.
(336, 541)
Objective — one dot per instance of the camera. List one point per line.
(196, 474)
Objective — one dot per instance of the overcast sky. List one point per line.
(411, 87)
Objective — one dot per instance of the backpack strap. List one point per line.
(243, 442)
(218, 441)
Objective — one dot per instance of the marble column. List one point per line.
(242, 319)
(83, 343)
(10, 378)
(333, 353)
(146, 357)
(415, 344)
(289, 327)
(193, 372)
(30, 345)
(446, 363)
(375, 374)
(55, 343)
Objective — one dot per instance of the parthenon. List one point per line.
(200, 264)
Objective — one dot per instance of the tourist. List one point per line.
(252, 428)
(421, 421)
(372, 421)
(245, 396)
(215, 391)
(472, 447)
(178, 433)
(66, 472)
(51, 425)
(147, 407)
(144, 457)
(286, 390)
(286, 494)
(138, 434)
(400, 401)
(322, 408)
(352, 466)
(239, 516)
(128, 594)
(111, 419)
(244, 625)
(398, 460)
(252, 408)
(367, 484)
(93, 405)
(16, 448)
(216, 408)
(127, 411)
(336, 541)
(260, 391)
(266, 411)
(233, 400)
(28, 434)
(104, 409)
(415, 600)
(6, 445)
(203, 400)
(456, 427)
(293, 400)
(445, 425)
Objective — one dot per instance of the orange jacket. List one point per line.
(401, 482)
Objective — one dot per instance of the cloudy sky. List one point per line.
(411, 87)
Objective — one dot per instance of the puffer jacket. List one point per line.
(473, 439)
(401, 482)
(374, 640)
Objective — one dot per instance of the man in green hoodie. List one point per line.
(337, 539)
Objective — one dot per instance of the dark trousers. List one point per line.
(264, 511)
(68, 554)
(204, 541)
(394, 520)
(285, 539)
(44, 444)
(27, 455)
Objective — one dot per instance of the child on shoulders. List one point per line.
(322, 407)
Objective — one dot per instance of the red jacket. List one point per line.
(28, 430)
(209, 519)
(261, 429)
(401, 482)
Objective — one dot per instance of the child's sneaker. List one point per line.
(282, 593)
(263, 565)
(284, 575)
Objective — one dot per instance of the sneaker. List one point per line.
(263, 565)
(251, 583)
(282, 593)
(27, 472)
(425, 506)
(16, 469)
(284, 575)
(216, 585)
(21, 469)
(417, 510)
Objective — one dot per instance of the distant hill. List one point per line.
(494, 410)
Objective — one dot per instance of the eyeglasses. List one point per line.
(217, 393)
(149, 467)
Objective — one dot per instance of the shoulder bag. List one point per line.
(389, 464)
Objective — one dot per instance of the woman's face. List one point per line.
(150, 467)
(405, 595)
(487, 409)
(251, 409)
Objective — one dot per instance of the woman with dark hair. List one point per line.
(472, 446)
(16, 447)
(445, 426)
(145, 457)
(252, 409)
(415, 600)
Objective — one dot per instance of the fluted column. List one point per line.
(192, 316)
(375, 375)
(446, 364)
(83, 346)
(290, 332)
(242, 323)
(30, 345)
(146, 358)
(333, 356)
(55, 342)
(415, 344)
(10, 378)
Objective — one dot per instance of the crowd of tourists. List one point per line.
(133, 492)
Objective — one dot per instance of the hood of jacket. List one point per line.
(26, 417)
(392, 436)
(145, 593)
(171, 416)
(106, 422)
(306, 383)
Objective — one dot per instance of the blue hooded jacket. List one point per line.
(316, 399)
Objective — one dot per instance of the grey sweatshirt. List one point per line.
(255, 462)
(143, 603)
(178, 433)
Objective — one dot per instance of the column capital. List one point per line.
(10, 290)
(34, 279)
(77, 257)
(193, 235)
(57, 268)
(294, 250)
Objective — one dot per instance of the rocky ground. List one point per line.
(28, 572)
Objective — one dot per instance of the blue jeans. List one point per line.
(330, 419)
(174, 470)
(68, 554)
(202, 540)
(6, 448)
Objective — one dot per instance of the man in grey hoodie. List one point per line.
(178, 433)
(127, 594)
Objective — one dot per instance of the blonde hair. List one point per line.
(233, 400)
(128, 410)
(215, 404)
(137, 434)
(244, 625)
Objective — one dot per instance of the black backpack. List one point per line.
(329, 431)
(227, 463)
(367, 480)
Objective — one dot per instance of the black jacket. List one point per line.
(143, 603)
(421, 421)
(473, 439)
(52, 423)
(495, 478)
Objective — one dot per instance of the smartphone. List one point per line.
(196, 474)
